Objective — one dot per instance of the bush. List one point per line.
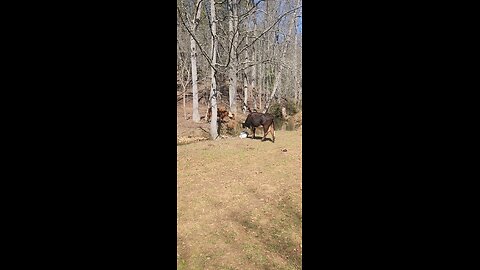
(276, 108)
(278, 122)
(291, 107)
(291, 124)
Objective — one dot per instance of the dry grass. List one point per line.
(239, 203)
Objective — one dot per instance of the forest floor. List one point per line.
(186, 127)
(239, 201)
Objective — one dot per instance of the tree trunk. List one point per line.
(195, 115)
(213, 90)
(262, 85)
(232, 27)
(184, 109)
(245, 81)
(254, 68)
(295, 65)
(245, 93)
(300, 96)
(193, 56)
(183, 67)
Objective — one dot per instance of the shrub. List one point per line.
(276, 108)
(290, 107)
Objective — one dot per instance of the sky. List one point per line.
(299, 24)
(299, 28)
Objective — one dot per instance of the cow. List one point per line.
(255, 119)
(222, 113)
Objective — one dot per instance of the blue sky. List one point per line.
(299, 28)
(299, 23)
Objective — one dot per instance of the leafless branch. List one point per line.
(197, 7)
(246, 14)
(196, 41)
(255, 63)
(268, 29)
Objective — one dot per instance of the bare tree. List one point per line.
(193, 55)
(245, 80)
(233, 36)
(213, 90)
(295, 64)
(184, 72)
(278, 75)
(248, 41)
(254, 68)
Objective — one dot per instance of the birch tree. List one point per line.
(245, 80)
(193, 55)
(213, 89)
(295, 63)
(184, 68)
(232, 33)
(254, 67)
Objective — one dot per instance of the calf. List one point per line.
(256, 119)
(222, 113)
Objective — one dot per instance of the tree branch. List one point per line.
(256, 63)
(268, 29)
(245, 15)
(197, 7)
(196, 41)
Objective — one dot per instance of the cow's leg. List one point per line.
(253, 132)
(265, 132)
(273, 133)
(270, 130)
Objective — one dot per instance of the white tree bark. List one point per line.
(262, 86)
(213, 90)
(254, 68)
(245, 93)
(184, 68)
(195, 115)
(295, 65)
(232, 33)
(193, 56)
(245, 81)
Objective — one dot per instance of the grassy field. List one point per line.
(239, 203)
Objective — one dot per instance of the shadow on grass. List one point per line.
(259, 138)
(274, 237)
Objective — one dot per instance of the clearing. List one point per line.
(239, 203)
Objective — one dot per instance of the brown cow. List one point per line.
(222, 113)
